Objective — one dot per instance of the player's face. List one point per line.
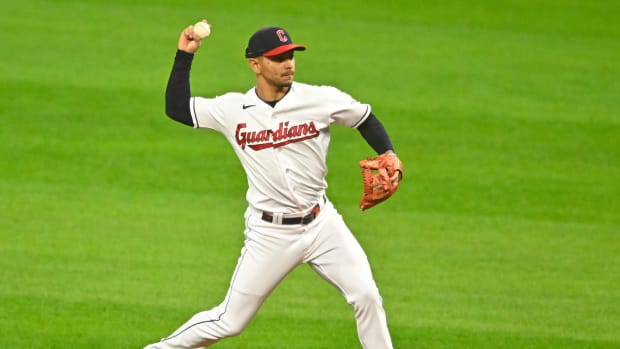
(279, 70)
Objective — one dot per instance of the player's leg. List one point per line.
(339, 258)
(205, 328)
(268, 255)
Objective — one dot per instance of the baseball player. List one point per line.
(279, 129)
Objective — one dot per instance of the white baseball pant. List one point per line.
(270, 252)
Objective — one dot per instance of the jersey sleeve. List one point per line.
(208, 112)
(344, 109)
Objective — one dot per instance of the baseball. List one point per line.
(202, 29)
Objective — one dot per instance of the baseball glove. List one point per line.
(381, 176)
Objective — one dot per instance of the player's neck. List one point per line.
(270, 93)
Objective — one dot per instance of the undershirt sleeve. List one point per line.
(178, 89)
(374, 133)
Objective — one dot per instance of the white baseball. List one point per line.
(202, 29)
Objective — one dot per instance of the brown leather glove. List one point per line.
(381, 176)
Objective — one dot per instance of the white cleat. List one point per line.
(154, 346)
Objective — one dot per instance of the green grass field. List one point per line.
(117, 224)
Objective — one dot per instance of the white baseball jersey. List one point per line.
(282, 149)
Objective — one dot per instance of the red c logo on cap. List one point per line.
(282, 35)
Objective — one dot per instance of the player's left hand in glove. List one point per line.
(381, 176)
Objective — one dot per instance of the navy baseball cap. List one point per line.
(270, 41)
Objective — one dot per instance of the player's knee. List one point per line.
(233, 325)
(366, 298)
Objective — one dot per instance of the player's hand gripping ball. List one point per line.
(202, 29)
(381, 176)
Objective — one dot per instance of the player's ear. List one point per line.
(254, 65)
